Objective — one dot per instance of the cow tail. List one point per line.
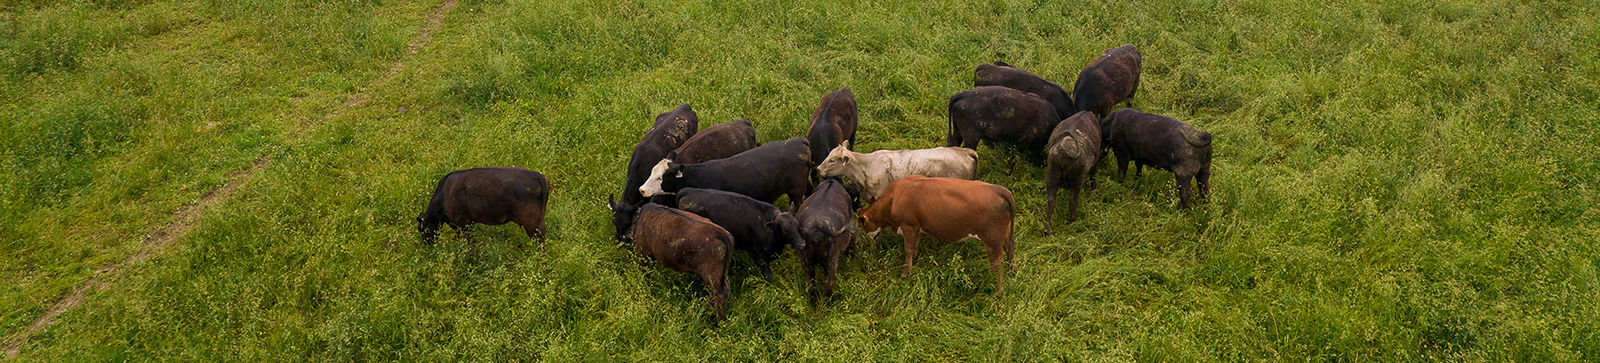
(1197, 138)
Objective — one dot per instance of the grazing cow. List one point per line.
(828, 229)
(685, 242)
(951, 210)
(833, 122)
(764, 173)
(759, 229)
(875, 171)
(1004, 75)
(1074, 152)
(670, 131)
(717, 142)
(492, 196)
(1160, 142)
(996, 113)
(1109, 80)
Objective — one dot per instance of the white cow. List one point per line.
(875, 171)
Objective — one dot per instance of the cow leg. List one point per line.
(996, 249)
(911, 235)
(1122, 167)
(1203, 180)
(1138, 169)
(829, 272)
(1183, 191)
(811, 280)
(717, 283)
(766, 267)
(1072, 206)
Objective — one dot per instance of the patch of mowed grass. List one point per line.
(1394, 181)
(120, 112)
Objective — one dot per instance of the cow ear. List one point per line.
(672, 155)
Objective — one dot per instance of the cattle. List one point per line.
(671, 130)
(717, 142)
(951, 210)
(1004, 75)
(759, 229)
(828, 229)
(873, 172)
(492, 196)
(833, 123)
(1073, 156)
(685, 242)
(764, 173)
(1109, 80)
(996, 113)
(1163, 143)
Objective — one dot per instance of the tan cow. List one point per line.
(951, 210)
(875, 171)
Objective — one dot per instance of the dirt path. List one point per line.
(187, 217)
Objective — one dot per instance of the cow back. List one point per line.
(717, 142)
(1001, 74)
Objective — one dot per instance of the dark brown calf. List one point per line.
(717, 142)
(996, 113)
(492, 196)
(1109, 80)
(832, 123)
(1004, 75)
(950, 210)
(828, 229)
(1163, 143)
(685, 242)
(1074, 152)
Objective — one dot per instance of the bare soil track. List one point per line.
(187, 217)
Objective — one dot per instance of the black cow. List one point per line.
(1073, 155)
(670, 131)
(996, 113)
(832, 123)
(717, 142)
(764, 173)
(828, 226)
(685, 242)
(492, 196)
(1004, 75)
(759, 229)
(1160, 142)
(1109, 80)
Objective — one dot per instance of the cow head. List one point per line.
(621, 216)
(664, 170)
(428, 227)
(787, 228)
(839, 160)
(869, 224)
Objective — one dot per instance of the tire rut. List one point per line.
(187, 217)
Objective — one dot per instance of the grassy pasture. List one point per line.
(1395, 181)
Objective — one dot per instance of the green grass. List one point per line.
(1395, 181)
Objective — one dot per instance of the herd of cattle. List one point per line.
(693, 196)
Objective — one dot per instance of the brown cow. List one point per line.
(1004, 75)
(685, 242)
(1074, 154)
(492, 196)
(950, 210)
(1109, 80)
(833, 122)
(717, 142)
